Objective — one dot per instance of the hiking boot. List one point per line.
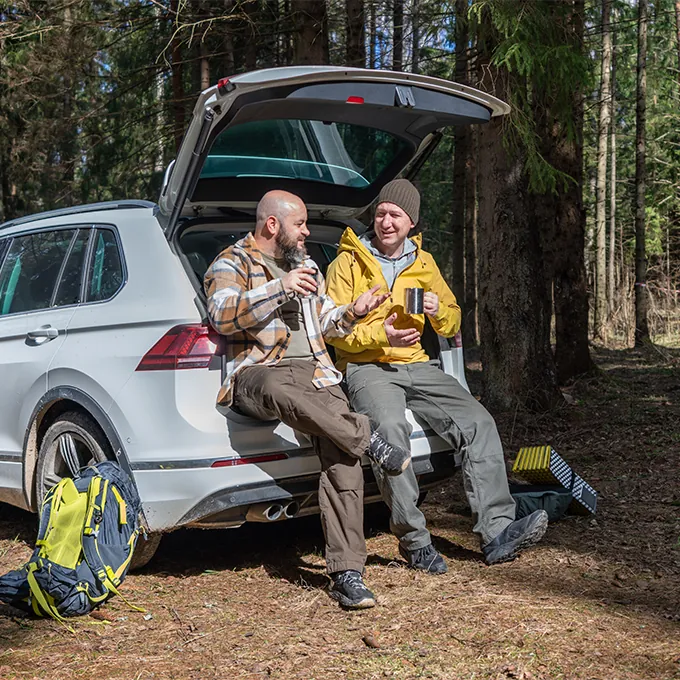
(392, 459)
(521, 534)
(350, 591)
(425, 559)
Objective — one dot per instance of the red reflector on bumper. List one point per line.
(265, 458)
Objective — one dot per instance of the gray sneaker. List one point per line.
(350, 590)
(520, 534)
(392, 459)
(425, 559)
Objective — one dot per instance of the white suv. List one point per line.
(105, 351)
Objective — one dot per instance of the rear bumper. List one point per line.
(228, 506)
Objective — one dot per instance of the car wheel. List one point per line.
(73, 437)
(145, 550)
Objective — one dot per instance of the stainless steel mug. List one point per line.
(414, 302)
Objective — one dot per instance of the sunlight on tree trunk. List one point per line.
(601, 189)
(611, 263)
(398, 34)
(641, 293)
(460, 154)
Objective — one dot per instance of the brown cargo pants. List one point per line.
(339, 437)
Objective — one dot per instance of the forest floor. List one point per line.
(599, 598)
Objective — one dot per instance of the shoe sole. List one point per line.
(396, 473)
(531, 538)
(345, 602)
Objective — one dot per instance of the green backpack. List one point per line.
(87, 535)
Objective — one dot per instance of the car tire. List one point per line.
(77, 432)
(145, 550)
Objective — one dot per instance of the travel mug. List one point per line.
(414, 302)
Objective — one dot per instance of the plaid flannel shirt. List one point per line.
(243, 303)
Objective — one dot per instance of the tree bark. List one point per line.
(460, 155)
(641, 294)
(356, 43)
(177, 78)
(397, 35)
(611, 266)
(570, 283)
(514, 318)
(68, 148)
(415, 33)
(310, 43)
(205, 66)
(677, 33)
(470, 332)
(601, 187)
(372, 38)
(228, 43)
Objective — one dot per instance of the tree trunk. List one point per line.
(372, 38)
(677, 33)
(356, 44)
(611, 266)
(470, 333)
(205, 66)
(601, 187)
(641, 295)
(460, 155)
(177, 78)
(397, 35)
(570, 283)
(311, 32)
(415, 36)
(514, 318)
(228, 43)
(68, 151)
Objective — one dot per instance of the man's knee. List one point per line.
(343, 475)
(390, 423)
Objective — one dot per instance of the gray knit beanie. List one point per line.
(402, 193)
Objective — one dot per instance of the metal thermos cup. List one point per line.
(414, 300)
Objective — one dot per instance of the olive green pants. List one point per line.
(339, 436)
(383, 392)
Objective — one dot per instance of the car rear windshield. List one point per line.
(335, 153)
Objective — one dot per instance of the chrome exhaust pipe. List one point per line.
(291, 509)
(264, 512)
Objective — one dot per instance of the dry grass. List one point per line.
(596, 600)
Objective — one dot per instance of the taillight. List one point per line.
(355, 100)
(264, 458)
(190, 346)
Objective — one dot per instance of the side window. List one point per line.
(30, 270)
(105, 276)
(68, 292)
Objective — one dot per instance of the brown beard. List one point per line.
(291, 253)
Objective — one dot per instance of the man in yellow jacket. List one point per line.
(387, 371)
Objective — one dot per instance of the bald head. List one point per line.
(278, 204)
(281, 226)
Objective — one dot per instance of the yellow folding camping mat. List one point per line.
(543, 465)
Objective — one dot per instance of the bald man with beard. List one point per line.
(269, 297)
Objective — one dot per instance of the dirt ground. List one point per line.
(598, 599)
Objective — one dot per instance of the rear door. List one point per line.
(38, 296)
(334, 136)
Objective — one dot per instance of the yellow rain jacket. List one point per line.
(354, 271)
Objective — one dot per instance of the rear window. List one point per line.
(334, 153)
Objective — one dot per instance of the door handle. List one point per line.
(44, 332)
